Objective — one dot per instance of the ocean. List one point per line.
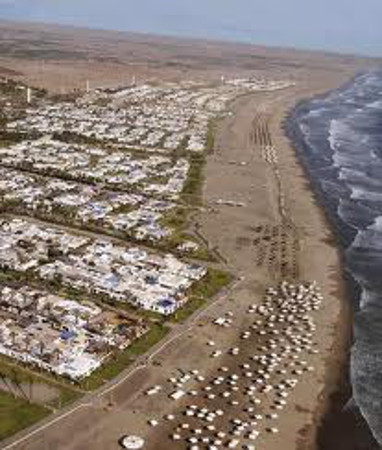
(338, 137)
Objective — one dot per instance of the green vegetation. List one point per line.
(130, 308)
(15, 89)
(68, 97)
(16, 414)
(8, 138)
(193, 304)
(176, 218)
(9, 88)
(202, 253)
(142, 345)
(102, 102)
(121, 360)
(193, 187)
(75, 138)
(158, 179)
(211, 284)
(17, 375)
(202, 292)
(210, 138)
(66, 397)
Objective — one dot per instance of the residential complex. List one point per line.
(88, 187)
(61, 335)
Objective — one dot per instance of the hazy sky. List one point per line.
(344, 25)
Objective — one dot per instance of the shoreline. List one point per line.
(312, 400)
(337, 421)
(337, 390)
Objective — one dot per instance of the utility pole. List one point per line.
(29, 95)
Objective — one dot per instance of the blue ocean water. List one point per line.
(339, 139)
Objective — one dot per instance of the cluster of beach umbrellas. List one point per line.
(244, 399)
(269, 154)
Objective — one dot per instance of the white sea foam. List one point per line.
(315, 112)
(304, 129)
(371, 237)
(336, 128)
(367, 297)
(374, 154)
(377, 225)
(351, 174)
(343, 159)
(375, 105)
(361, 193)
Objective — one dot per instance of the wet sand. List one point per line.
(320, 259)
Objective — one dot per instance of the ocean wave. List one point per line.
(337, 133)
(370, 240)
(341, 143)
(377, 104)
(360, 193)
(355, 214)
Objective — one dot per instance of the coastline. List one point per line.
(320, 260)
(337, 422)
(336, 348)
(337, 390)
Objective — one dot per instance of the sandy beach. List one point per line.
(318, 259)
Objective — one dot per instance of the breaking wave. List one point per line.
(339, 139)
